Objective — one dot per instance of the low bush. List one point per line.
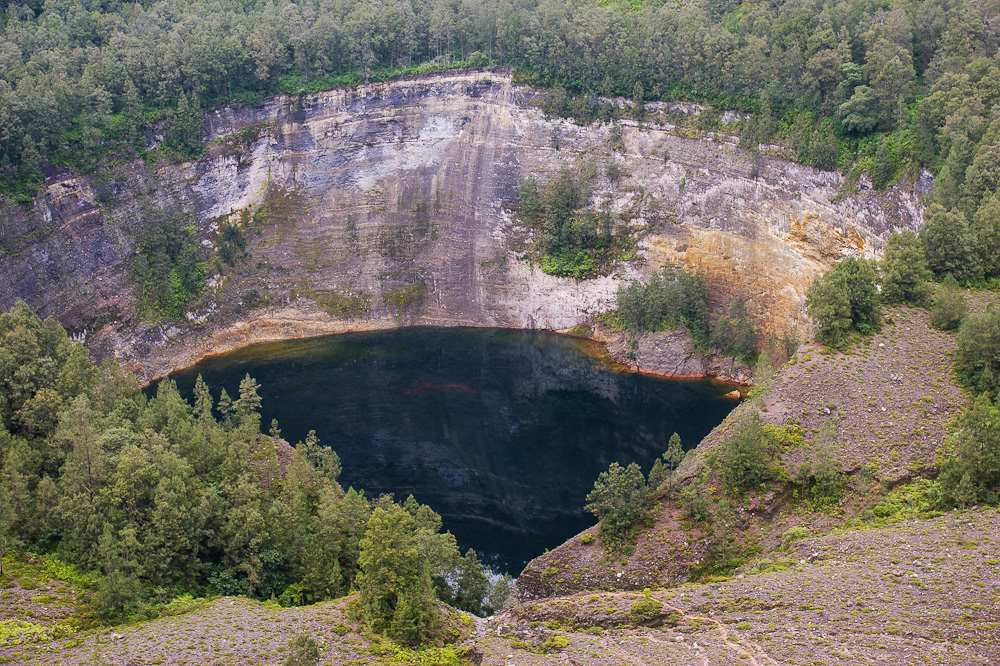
(645, 609)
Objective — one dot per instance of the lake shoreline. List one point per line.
(180, 352)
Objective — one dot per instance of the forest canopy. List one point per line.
(85, 83)
(161, 497)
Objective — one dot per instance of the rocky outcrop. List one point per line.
(670, 354)
(389, 205)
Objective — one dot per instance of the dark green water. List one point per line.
(501, 432)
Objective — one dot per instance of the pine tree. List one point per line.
(225, 406)
(619, 501)
(825, 464)
(247, 406)
(202, 400)
(674, 455)
(746, 454)
(471, 584)
(187, 127)
(395, 594)
(664, 466)
(119, 592)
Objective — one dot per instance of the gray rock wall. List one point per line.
(389, 205)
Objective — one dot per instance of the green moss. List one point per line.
(17, 632)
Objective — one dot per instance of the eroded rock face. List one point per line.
(389, 205)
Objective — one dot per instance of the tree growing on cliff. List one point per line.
(664, 466)
(619, 501)
(671, 299)
(734, 335)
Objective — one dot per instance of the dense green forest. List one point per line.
(85, 84)
(162, 498)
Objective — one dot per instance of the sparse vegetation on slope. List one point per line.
(842, 429)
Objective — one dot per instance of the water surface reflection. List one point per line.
(502, 432)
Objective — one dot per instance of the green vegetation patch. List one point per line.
(17, 632)
(572, 240)
(406, 298)
(645, 609)
(170, 265)
(170, 499)
(340, 304)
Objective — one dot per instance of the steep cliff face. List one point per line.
(390, 205)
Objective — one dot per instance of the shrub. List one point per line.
(27, 583)
(949, 306)
(587, 539)
(916, 499)
(303, 651)
(793, 534)
(232, 244)
(184, 604)
(553, 643)
(645, 609)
